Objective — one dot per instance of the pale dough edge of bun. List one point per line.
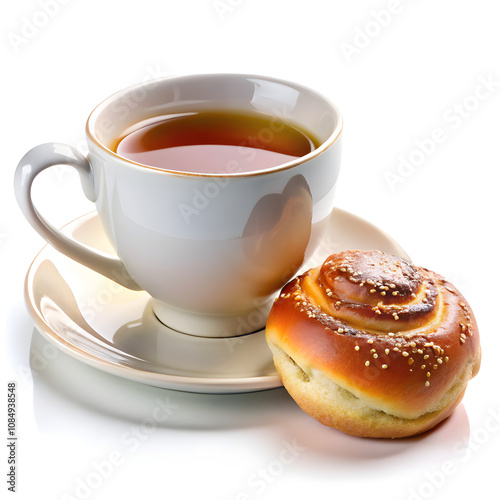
(336, 407)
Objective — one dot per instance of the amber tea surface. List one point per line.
(214, 142)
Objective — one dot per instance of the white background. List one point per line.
(418, 74)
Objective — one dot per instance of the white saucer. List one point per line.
(114, 329)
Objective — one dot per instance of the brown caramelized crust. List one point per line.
(373, 345)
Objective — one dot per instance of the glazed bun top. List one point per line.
(376, 290)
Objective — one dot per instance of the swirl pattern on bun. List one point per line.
(373, 345)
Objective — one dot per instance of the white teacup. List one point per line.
(210, 249)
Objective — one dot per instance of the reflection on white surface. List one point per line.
(232, 443)
(276, 94)
(97, 395)
(115, 397)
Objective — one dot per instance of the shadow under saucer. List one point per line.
(61, 382)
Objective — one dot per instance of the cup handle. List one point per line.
(35, 161)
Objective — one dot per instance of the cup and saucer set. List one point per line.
(211, 193)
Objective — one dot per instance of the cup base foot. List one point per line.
(213, 325)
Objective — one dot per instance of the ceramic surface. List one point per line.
(115, 330)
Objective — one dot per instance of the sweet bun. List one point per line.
(373, 345)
